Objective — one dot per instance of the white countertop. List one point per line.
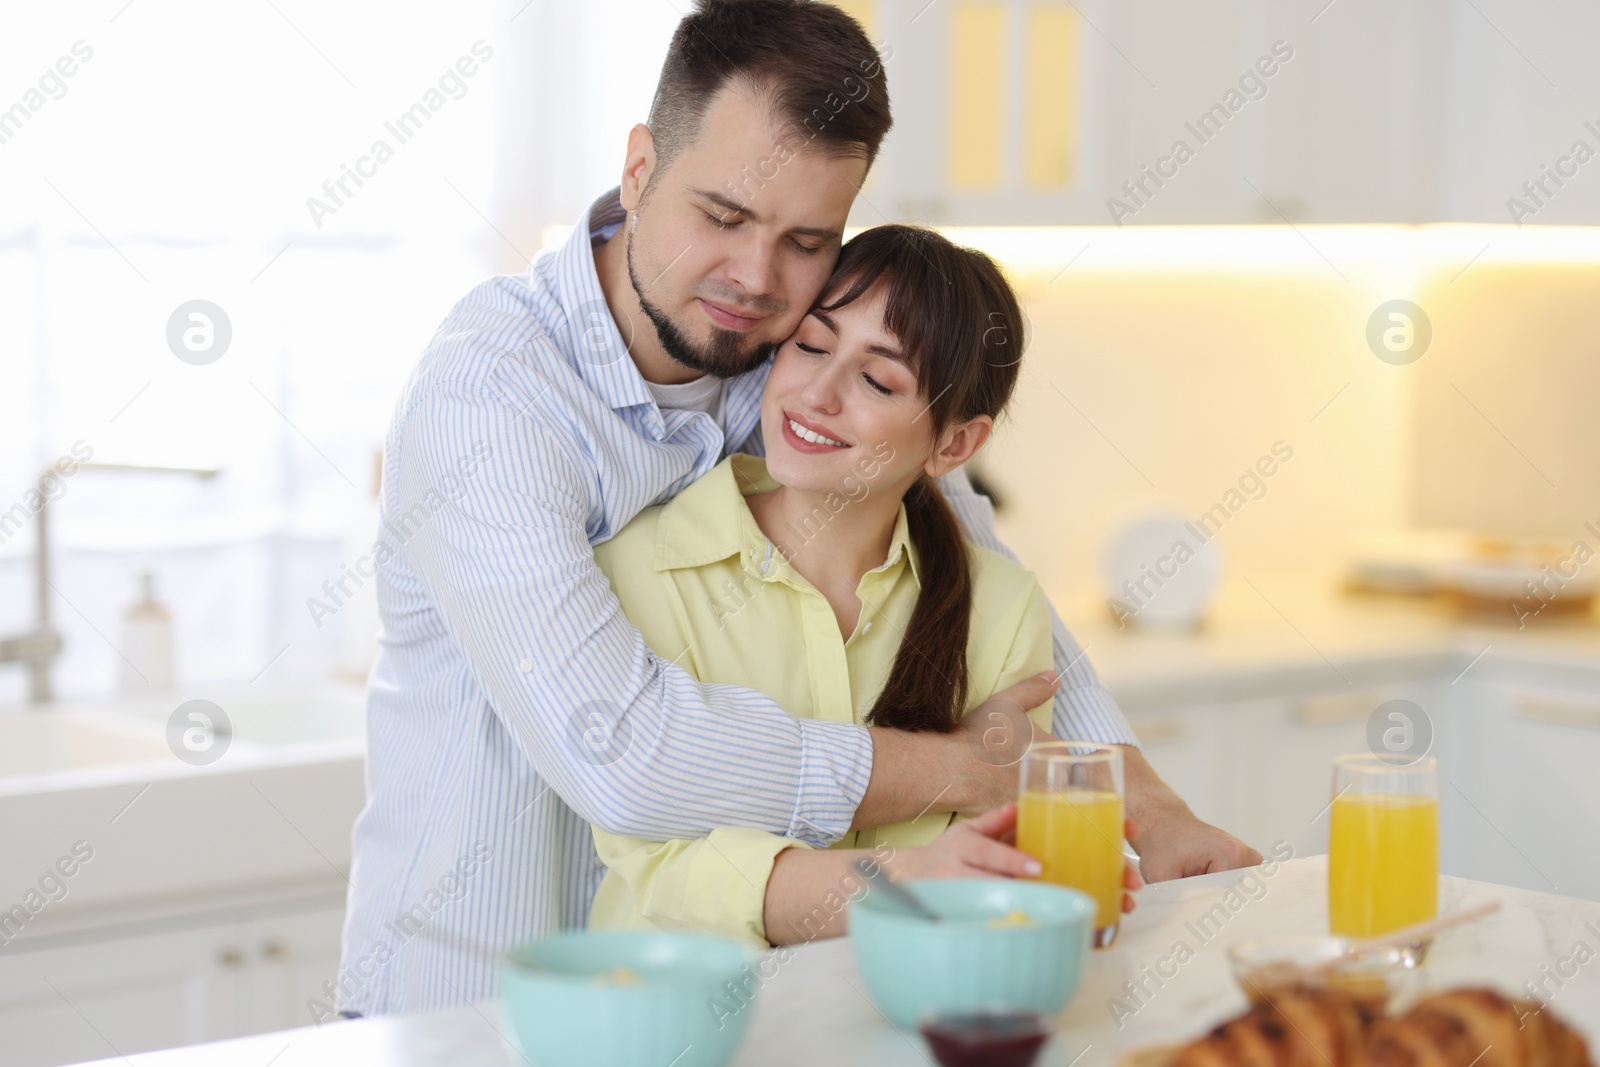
(1264, 632)
(815, 1010)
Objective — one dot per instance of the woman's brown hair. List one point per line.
(956, 317)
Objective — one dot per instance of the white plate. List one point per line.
(1160, 573)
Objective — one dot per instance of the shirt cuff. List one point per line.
(1088, 713)
(835, 766)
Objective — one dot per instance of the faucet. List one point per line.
(39, 646)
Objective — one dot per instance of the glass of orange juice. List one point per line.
(1383, 848)
(1069, 818)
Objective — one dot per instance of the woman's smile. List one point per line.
(805, 435)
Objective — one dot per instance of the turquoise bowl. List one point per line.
(962, 963)
(622, 998)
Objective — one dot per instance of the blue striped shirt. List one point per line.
(511, 702)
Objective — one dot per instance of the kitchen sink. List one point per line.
(278, 721)
(272, 809)
(49, 742)
(131, 732)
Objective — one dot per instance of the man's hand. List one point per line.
(1171, 842)
(995, 736)
(1131, 879)
(998, 731)
(1180, 845)
(970, 771)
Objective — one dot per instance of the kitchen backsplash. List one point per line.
(1166, 362)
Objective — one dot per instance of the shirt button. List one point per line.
(526, 666)
(867, 629)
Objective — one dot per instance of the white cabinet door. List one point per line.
(291, 957)
(1528, 786)
(119, 992)
(116, 997)
(1278, 752)
(1180, 744)
(1279, 762)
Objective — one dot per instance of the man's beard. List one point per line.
(722, 357)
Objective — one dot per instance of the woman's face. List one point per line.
(841, 409)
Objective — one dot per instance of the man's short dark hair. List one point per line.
(822, 77)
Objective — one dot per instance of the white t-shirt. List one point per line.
(705, 394)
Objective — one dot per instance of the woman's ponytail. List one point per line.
(927, 687)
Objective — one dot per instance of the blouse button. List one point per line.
(867, 629)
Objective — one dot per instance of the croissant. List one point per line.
(1306, 1027)
(1474, 1026)
(1299, 1028)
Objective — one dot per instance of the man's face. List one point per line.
(735, 238)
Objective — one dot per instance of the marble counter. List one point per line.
(1144, 990)
(1267, 633)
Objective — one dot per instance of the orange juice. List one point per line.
(1077, 835)
(1383, 863)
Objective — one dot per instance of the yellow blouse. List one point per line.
(712, 594)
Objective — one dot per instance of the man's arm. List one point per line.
(1171, 842)
(631, 742)
(970, 771)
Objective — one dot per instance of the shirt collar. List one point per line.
(900, 547)
(593, 343)
(710, 521)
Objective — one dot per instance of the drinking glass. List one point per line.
(1383, 847)
(1069, 818)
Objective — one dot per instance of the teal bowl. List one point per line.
(622, 998)
(962, 963)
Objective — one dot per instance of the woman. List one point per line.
(833, 576)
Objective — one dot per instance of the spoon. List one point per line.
(1284, 971)
(1406, 935)
(897, 898)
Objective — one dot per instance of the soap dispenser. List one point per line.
(147, 641)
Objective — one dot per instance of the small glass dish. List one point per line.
(1265, 966)
(999, 1038)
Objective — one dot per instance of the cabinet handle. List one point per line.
(273, 950)
(1345, 707)
(230, 958)
(1160, 731)
(1561, 712)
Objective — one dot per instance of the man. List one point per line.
(511, 701)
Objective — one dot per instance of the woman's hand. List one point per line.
(984, 848)
(974, 848)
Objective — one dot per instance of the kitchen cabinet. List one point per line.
(1279, 754)
(293, 956)
(1261, 767)
(209, 899)
(1528, 783)
(1518, 744)
(1182, 746)
(89, 1001)
(120, 987)
(1049, 112)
